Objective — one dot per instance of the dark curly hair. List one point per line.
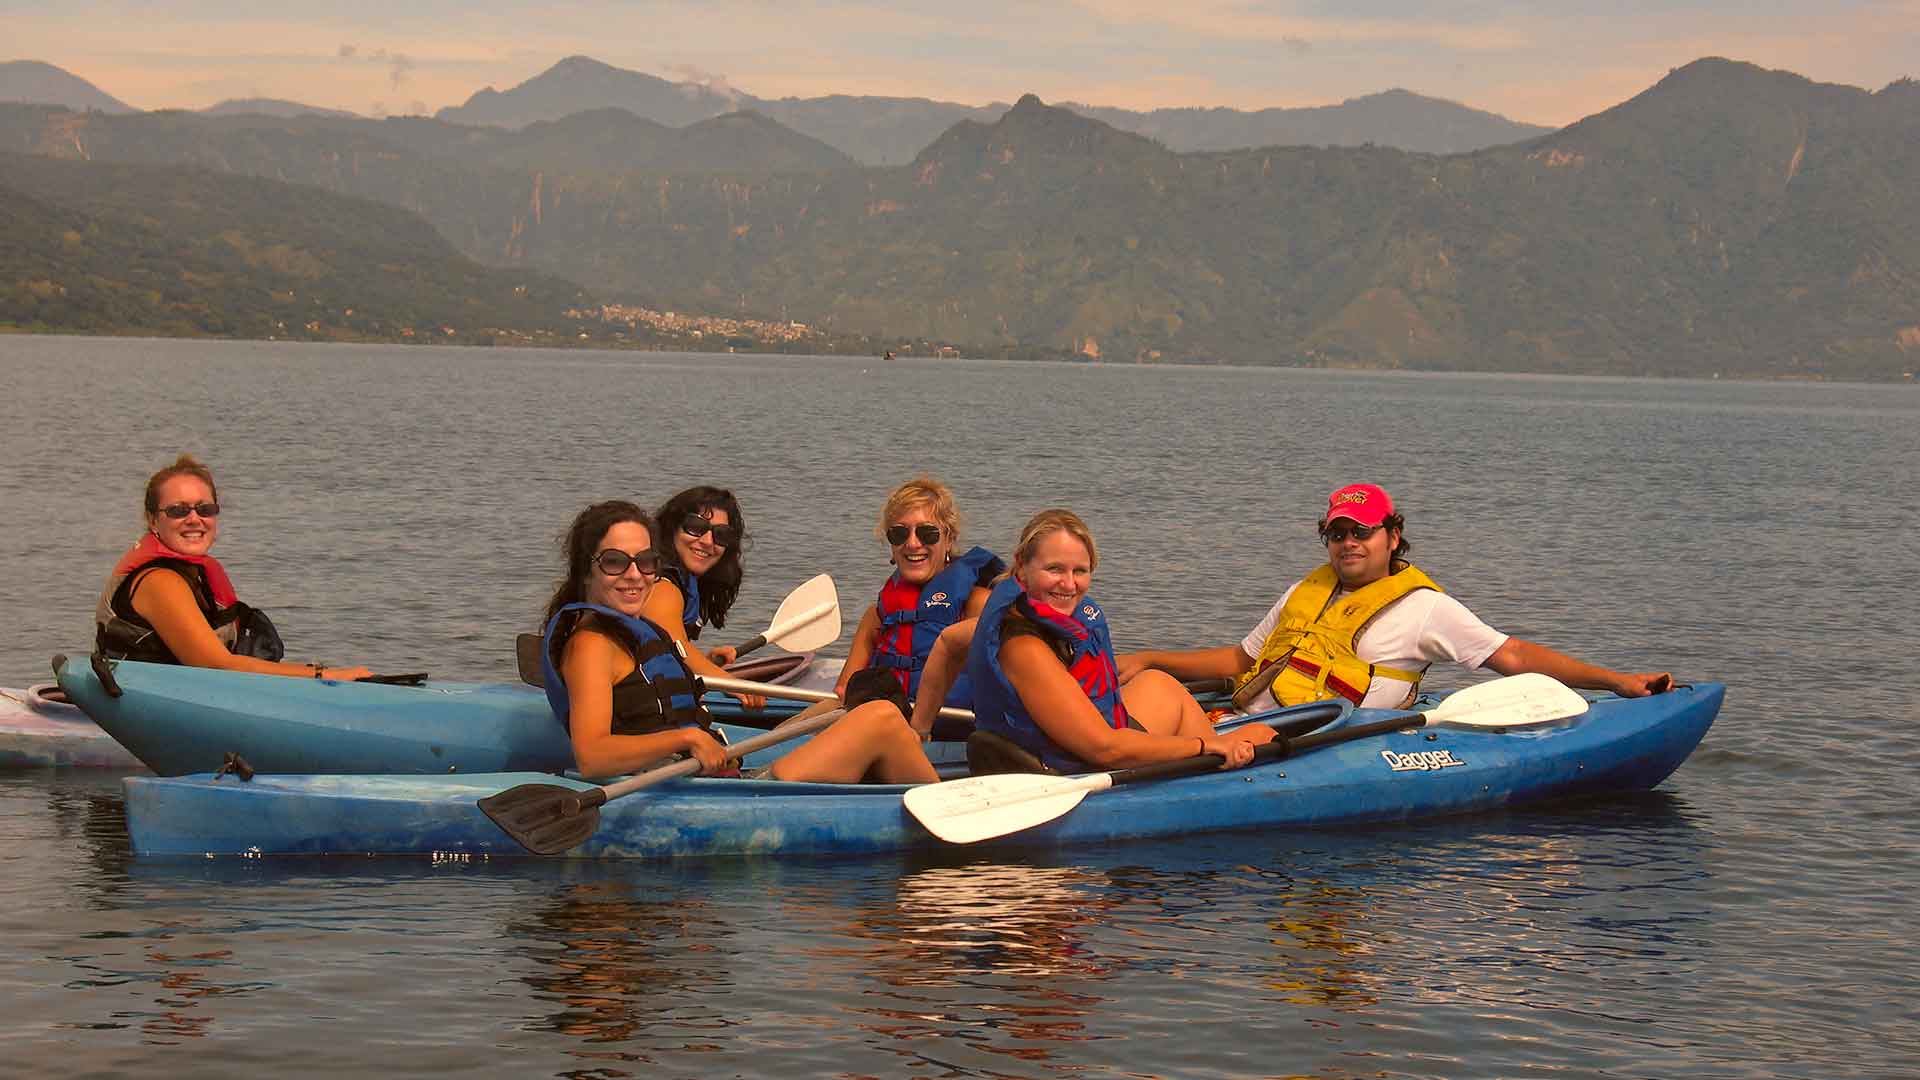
(581, 542)
(721, 584)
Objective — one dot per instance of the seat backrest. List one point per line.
(988, 754)
(526, 650)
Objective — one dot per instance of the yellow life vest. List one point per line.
(1314, 638)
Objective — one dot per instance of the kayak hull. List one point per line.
(1618, 746)
(38, 731)
(180, 720)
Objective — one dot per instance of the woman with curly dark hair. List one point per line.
(702, 533)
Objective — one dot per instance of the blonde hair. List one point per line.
(1045, 524)
(184, 465)
(922, 490)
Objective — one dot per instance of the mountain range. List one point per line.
(891, 130)
(1728, 220)
(872, 130)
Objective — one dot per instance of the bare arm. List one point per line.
(1225, 662)
(860, 653)
(1054, 698)
(945, 662)
(976, 602)
(163, 598)
(1518, 656)
(664, 604)
(591, 665)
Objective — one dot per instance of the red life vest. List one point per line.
(150, 548)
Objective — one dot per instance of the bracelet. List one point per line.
(1203, 745)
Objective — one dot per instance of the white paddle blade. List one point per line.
(1515, 701)
(809, 618)
(983, 807)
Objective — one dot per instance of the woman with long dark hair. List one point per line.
(702, 534)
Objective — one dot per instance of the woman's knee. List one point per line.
(1156, 682)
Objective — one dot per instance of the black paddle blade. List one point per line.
(546, 819)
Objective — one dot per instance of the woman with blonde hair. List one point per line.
(168, 601)
(1042, 664)
(933, 586)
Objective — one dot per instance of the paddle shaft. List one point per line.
(794, 693)
(1281, 747)
(735, 751)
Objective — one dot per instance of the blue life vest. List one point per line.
(661, 692)
(689, 586)
(942, 601)
(996, 704)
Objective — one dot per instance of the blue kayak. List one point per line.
(181, 720)
(1618, 745)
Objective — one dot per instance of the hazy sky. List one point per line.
(1544, 61)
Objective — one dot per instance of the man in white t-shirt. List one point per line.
(1367, 625)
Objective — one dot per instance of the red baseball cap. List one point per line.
(1365, 504)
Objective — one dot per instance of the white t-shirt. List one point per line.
(1410, 633)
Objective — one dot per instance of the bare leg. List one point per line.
(873, 738)
(1164, 707)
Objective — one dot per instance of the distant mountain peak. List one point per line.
(37, 82)
(270, 107)
(579, 83)
(581, 62)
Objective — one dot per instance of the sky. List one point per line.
(1546, 61)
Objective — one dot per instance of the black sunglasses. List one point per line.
(613, 562)
(179, 511)
(927, 531)
(695, 525)
(1337, 534)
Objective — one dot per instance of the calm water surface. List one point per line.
(399, 507)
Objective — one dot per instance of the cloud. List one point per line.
(708, 80)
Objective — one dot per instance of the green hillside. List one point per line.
(101, 248)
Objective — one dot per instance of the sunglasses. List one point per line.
(696, 526)
(179, 511)
(927, 531)
(1337, 534)
(613, 562)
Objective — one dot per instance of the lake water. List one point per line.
(400, 507)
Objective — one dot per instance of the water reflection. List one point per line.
(625, 963)
(952, 922)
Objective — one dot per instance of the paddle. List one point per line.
(809, 618)
(795, 693)
(548, 819)
(983, 807)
